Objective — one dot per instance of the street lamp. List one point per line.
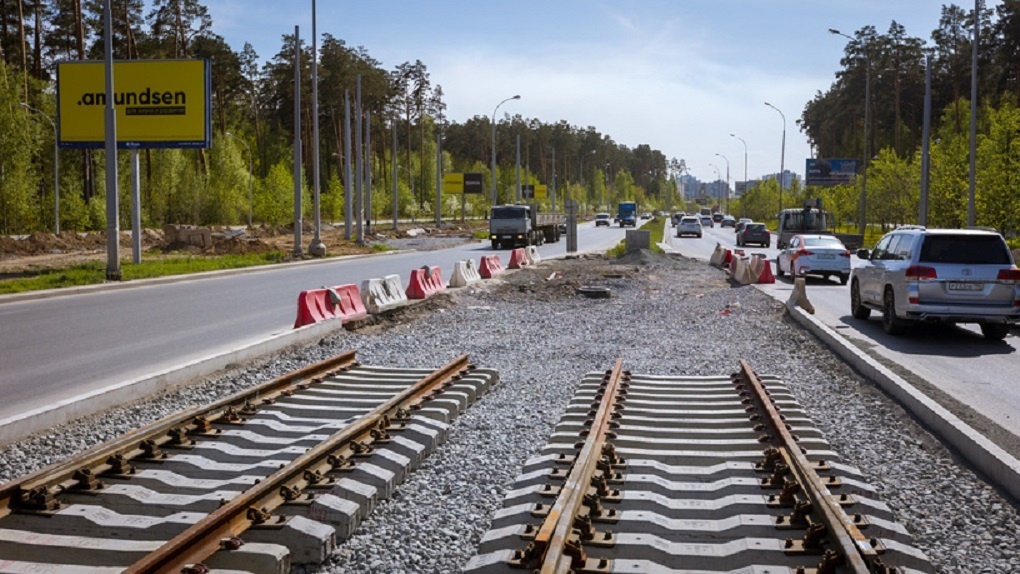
(727, 181)
(782, 158)
(517, 97)
(743, 207)
(718, 176)
(867, 120)
(56, 169)
(251, 205)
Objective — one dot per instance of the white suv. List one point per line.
(938, 275)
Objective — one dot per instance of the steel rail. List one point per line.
(37, 491)
(553, 542)
(204, 538)
(855, 548)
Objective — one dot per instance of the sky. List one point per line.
(678, 75)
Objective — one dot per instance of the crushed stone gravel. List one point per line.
(665, 315)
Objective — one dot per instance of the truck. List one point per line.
(522, 225)
(626, 214)
(811, 219)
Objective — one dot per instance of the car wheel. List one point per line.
(858, 310)
(890, 323)
(994, 331)
(779, 268)
(843, 279)
(699, 236)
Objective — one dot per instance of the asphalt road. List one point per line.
(58, 348)
(956, 360)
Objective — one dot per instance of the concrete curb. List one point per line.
(44, 418)
(997, 465)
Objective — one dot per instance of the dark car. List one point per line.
(755, 233)
(727, 221)
(717, 217)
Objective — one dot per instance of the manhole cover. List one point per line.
(594, 292)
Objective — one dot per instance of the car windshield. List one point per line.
(688, 220)
(602, 216)
(965, 249)
(823, 242)
(508, 213)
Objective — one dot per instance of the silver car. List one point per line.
(689, 225)
(938, 275)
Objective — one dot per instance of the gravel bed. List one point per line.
(666, 315)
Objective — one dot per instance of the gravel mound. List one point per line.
(666, 315)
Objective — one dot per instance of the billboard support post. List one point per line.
(112, 207)
(136, 210)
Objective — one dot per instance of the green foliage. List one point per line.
(95, 272)
(998, 160)
(274, 196)
(893, 189)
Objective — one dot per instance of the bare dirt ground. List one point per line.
(26, 256)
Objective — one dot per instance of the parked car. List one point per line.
(602, 219)
(815, 254)
(756, 233)
(727, 221)
(917, 275)
(706, 221)
(741, 223)
(689, 225)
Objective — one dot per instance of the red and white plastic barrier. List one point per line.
(341, 302)
(518, 259)
(381, 295)
(490, 266)
(464, 273)
(425, 282)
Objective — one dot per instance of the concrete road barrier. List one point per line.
(381, 295)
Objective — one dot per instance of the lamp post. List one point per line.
(867, 121)
(743, 208)
(727, 181)
(56, 169)
(782, 158)
(251, 205)
(718, 175)
(493, 192)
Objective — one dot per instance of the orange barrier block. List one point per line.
(518, 259)
(728, 258)
(347, 299)
(490, 266)
(425, 282)
(766, 273)
(314, 306)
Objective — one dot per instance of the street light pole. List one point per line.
(56, 169)
(782, 158)
(251, 205)
(867, 121)
(493, 191)
(727, 181)
(718, 175)
(743, 208)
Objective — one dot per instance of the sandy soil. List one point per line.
(26, 256)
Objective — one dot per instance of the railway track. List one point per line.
(693, 475)
(257, 482)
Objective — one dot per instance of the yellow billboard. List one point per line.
(159, 103)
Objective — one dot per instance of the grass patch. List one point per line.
(480, 233)
(95, 272)
(655, 230)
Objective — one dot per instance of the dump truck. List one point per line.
(811, 219)
(522, 225)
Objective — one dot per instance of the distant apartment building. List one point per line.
(788, 178)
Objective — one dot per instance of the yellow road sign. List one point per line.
(453, 183)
